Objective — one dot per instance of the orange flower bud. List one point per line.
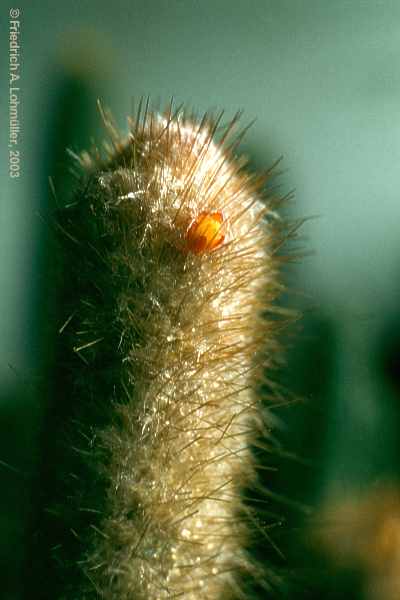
(204, 233)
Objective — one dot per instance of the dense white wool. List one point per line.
(190, 330)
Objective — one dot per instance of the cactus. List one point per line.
(170, 252)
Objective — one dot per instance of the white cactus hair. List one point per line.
(173, 346)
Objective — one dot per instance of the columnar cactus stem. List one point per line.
(172, 248)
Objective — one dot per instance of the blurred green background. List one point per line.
(323, 81)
